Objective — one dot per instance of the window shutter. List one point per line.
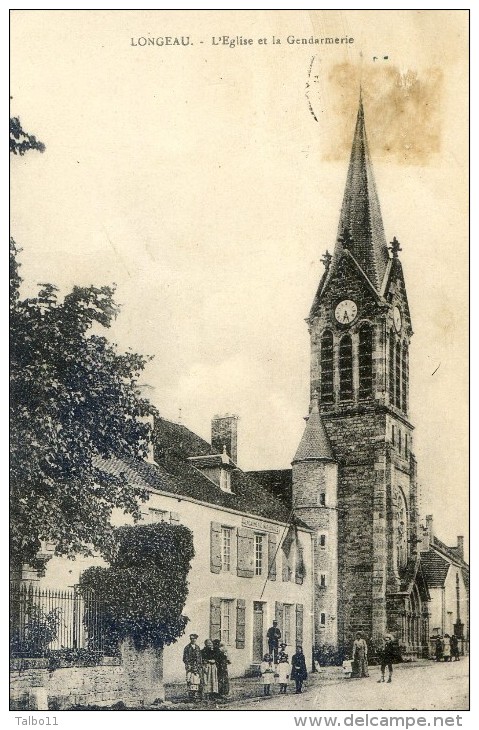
(245, 567)
(240, 623)
(299, 571)
(215, 618)
(174, 518)
(215, 557)
(299, 624)
(286, 571)
(278, 615)
(272, 556)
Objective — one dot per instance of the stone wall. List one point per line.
(136, 680)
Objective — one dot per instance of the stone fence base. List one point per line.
(136, 680)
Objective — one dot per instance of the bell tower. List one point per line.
(360, 329)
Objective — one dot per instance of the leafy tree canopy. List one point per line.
(20, 141)
(74, 402)
(144, 591)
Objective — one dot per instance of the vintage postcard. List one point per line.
(239, 361)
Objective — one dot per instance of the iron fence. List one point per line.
(44, 621)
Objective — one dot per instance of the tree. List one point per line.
(144, 591)
(20, 141)
(74, 403)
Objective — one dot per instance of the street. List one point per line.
(416, 686)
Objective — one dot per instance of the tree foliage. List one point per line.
(144, 591)
(74, 402)
(20, 141)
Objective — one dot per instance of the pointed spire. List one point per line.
(361, 212)
(314, 445)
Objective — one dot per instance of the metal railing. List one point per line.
(45, 620)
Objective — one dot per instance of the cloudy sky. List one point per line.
(206, 181)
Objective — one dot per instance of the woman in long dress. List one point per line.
(222, 661)
(210, 670)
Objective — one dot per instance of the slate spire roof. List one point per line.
(360, 212)
(315, 443)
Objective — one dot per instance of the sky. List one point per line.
(206, 181)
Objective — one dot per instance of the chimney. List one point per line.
(224, 433)
(429, 526)
(460, 545)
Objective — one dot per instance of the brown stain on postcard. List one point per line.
(402, 109)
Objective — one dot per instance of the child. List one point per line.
(347, 667)
(267, 673)
(283, 671)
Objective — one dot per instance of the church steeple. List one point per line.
(360, 227)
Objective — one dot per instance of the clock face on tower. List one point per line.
(346, 311)
(397, 318)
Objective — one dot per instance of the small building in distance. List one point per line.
(447, 575)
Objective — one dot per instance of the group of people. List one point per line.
(447, 648)
(357, 667)
(206, 669)
(279, 670)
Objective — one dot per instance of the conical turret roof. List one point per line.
(314, 444)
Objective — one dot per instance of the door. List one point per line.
(258, 628)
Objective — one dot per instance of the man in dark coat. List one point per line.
(388, 655)
(273, 635)
(193, 662)
(298, 669)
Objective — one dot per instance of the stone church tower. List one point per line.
(354, 474)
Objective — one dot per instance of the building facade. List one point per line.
(253, 560)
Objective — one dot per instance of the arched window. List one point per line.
(392, 364)
(327, 392)
(365, 362)
(397, 387)
(346, 368)
(404, 376)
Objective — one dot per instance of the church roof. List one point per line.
(361, 212)
(314, 444)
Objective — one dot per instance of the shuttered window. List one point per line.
(299, 624)
(365, 362)
(245, 542)
(272, 544)
(215, 548)
(287, 623)
(346, 368)
(226, 548)
(215, 618)
(327, 391)
(240, 623)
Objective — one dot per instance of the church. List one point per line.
(353, 477)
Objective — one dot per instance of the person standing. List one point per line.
(455, 647)
(439, 649)
(210, 670)
(387, 657)
(222, 661)
(273, 635)
(267, 674)
(298, 669)
(360, 656)
(283, 671)
(446, 648)
(193, 662)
